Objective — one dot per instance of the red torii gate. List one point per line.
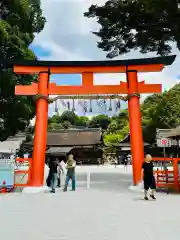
(132, 87)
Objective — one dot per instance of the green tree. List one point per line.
(82, 121)
(53, 126)
(100, 121)
(69, 116)
(161, 111)
(54, 119)
(112, 138)
(113, 126)
(146, 25)
(20, 21)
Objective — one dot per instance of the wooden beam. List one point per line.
(149, 88)
(87, 79)
(26, 89)
(87, 88)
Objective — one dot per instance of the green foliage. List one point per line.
(118, 128)
(82, 121)
(146, 25)
(66, 120)
(53, 126)
(158, 111)
(161, 111)
(100, 121)
(69, 116)
(112, 138)
(20, 21)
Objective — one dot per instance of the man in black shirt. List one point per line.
(53, 165)
(148, 177)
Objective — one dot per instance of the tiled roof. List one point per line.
(73, 137)
(162, 133)
(174, 132)
(58, 150)
(9, 146)
(12, 143)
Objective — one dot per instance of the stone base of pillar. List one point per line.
(137, 188)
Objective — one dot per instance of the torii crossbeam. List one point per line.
(132, 87)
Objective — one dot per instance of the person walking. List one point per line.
(53, 172)
(59, 175)
(71, 164)
(125, 162)
(148, 177)
(59, 172)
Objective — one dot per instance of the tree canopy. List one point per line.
(146, 25)
(100, 121)
(20, 21)
(161, 111)
(70, 118)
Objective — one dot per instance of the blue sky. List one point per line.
(59, 79)
(39, 51)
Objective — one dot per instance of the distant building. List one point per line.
(124, 146)
(168, 140)
(174, 133)
(84, 144)
(11, 145)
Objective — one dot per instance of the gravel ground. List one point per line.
(109, 210)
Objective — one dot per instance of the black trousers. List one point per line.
(149, 182)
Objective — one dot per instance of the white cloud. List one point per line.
(68, 36)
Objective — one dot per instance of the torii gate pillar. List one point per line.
(40, 136)
(136, 137)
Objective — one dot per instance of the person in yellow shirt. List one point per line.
(71, 164)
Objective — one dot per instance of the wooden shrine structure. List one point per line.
(42, 89)
(85, 144)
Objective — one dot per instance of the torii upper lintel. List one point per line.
(75, 67)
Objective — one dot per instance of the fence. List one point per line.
(22, 172)
(167, 177)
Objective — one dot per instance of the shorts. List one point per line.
(149, 183)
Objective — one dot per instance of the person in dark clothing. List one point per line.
(71, 164)
(148, 177)
(125, 161)
(53, 172)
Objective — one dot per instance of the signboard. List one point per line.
(166, 142)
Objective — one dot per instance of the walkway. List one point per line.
(111, 213)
